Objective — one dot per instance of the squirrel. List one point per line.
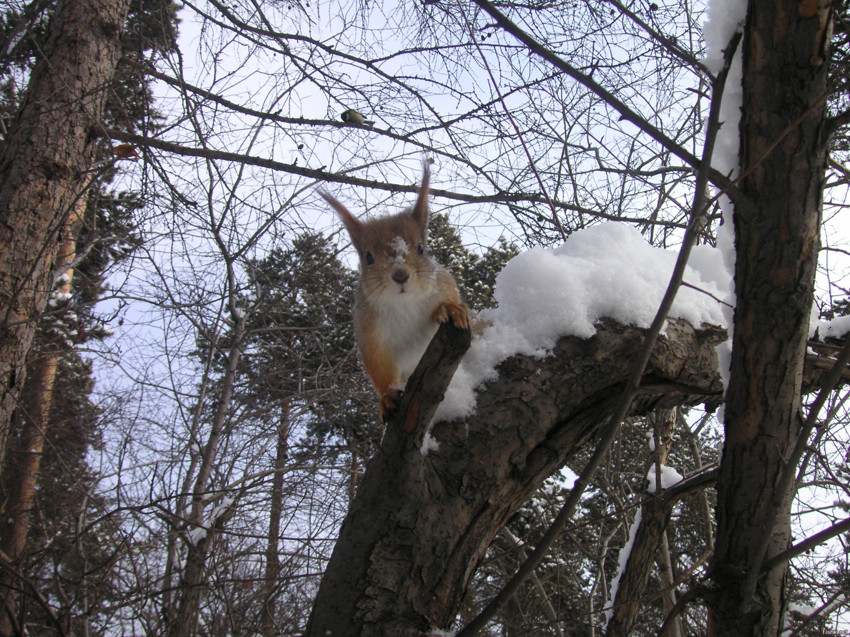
(402, 296)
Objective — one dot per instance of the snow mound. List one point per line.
(669, 477)
(608, 270)
(835, 328)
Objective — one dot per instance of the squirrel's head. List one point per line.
(392, 249)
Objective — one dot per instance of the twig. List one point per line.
(625, 111)
(511, 119)
(322, 175)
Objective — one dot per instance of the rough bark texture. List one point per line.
(420, 524)
(777, 240)
(23, 464)
(44, 170)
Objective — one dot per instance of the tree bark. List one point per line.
(784, 138)
(649, 538)
(23, 463)
(655, 515)
(20, 478)
(44, 171)
(271, 572)
(420, 524)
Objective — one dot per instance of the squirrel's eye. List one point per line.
(369, 258)
(420, 249)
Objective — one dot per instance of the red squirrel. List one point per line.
(402, 297)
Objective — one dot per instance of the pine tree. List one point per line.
(54, 426)
(300, 383)
(302, 344)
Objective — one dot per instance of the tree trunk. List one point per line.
(420, 523)
(19, 483)
(23, 462)
(655, 515)
(183, 622)
(667, 580)
(272, 567)
(193, 584)
(784, 140)
(44, 171)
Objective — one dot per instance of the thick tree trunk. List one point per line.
(23, 462)
(44, 171)
(420, 523)
(783, 158)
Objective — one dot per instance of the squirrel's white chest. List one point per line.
(406, 327)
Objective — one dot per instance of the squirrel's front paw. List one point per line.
(388, 404)
(457, 313)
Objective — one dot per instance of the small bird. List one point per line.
(355, 117)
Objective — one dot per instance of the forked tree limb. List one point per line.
(420, 524)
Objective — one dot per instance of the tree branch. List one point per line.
(638, 363)
(807, 544)
(609, 98)
(420, 524)
(322, 175)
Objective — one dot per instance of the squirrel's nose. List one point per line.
(401, 276)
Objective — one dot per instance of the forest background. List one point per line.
(184, 423)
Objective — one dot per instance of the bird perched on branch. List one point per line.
(355, 117)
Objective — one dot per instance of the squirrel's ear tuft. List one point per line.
(351, 223)
(420, 209)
